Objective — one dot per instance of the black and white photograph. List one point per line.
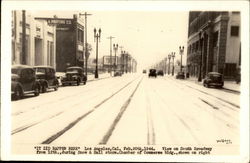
(163, 81)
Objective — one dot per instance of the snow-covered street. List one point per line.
(128, 110)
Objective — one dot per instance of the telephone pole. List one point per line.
(86, 44)
(110, 38)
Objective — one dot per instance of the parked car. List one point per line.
(144, 71)
(152, 72)
(180, 75)
(46, 76)
(160, 72)
(118, 73)
(74, 75)
(213, 79)
(23, 81)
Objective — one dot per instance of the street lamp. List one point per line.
(181, 53)
(200, 51)
(173, 55)
(169, 57)
(97, 36)
(115, 47)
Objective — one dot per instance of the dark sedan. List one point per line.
(213, 79)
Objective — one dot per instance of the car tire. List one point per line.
(44, 88)
(18, 93)
(84, 82)
(36, 90)
(78, 82)
(56, 87)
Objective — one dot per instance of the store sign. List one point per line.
(107, 60)
(59, 22)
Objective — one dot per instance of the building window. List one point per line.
(234, 30)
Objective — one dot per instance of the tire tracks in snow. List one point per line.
(26, 126)
(228, 102)
(118, 117)
(178, 117)
(73, 123)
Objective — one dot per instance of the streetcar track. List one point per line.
(150, 124)
(118, 117)
(22, 128)
(228, 102)
(179, 118)
(54, 102)
(72, 124)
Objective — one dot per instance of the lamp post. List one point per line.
(97, 36)
(115, 47)
(110, 69)
(181, 53)
(173, 55)
(169, 57)
(200, 51)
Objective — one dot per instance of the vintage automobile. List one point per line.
(117, 73)
(23, 81)
(46, 76)
(213, 79)
(144, 71)
(152, 72)
(74, 75)
(160, 73)
(180, 75)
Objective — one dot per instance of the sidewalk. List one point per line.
(229, 85)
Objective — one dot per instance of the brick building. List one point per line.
(213, 43)
(69, 41)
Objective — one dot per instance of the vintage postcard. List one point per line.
(146, 81)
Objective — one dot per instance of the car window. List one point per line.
(14, 71)
(25, 73)
(72, 70)
(42, 70)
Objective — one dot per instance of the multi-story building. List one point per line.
(213, 43)
(69, 41)
(33, 42)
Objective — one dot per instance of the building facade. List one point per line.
(213, 43)
(69, 41)
(33, 42)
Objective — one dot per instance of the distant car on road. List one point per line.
(160, 72)
(213, 79)
(74, 75)
(23, 81)
(46, 76)
(152, 72)
(118, 73)
(180, 75)
(144, 71)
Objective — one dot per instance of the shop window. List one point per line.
(234, 30)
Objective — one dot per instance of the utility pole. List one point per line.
(86, 44)
(121, 47)
(110, 69)
(23, 37)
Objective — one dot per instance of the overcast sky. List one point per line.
(149, 36)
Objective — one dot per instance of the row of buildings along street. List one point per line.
(59, 42)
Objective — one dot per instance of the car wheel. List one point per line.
(56, 87)
(18, 94)
(78, 82)
(44, 88)
(36, 91)
(84, 82)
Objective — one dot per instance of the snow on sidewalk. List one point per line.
(230, 85)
